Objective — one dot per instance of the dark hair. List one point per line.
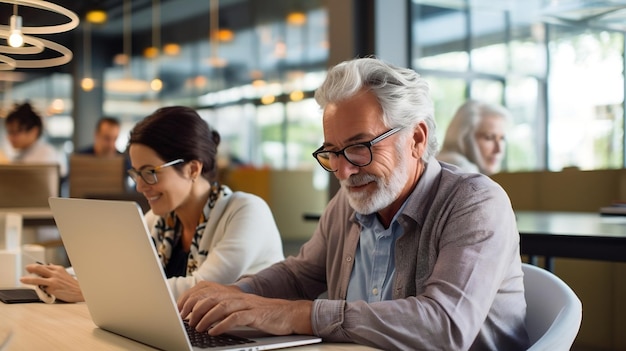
(179, 132)
(25, 117)
(107, 120)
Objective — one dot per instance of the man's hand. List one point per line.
(55, 280)
(219, 308)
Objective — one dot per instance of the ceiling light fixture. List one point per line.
(127, 84)
(87, 83)
(16, 39)
(297, 16)
(214, 59)
(171, 49)
(96, 16)
(66, 55)
(6, 63)
(156, 84)
(16, 36)
(45, 5)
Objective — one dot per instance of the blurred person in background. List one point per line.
(24, 128)
(104, 139)
(475, 138)
(202, 229)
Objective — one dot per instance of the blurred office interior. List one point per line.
(557, 65)
(250, 67)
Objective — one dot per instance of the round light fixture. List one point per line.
(45, 5)
(15, 35)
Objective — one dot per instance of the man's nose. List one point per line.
(344, 168)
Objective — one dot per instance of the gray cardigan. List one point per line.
(458, 283)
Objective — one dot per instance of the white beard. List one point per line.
(386, 192)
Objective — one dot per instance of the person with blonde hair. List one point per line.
(475, 138)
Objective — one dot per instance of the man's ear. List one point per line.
(420, 140)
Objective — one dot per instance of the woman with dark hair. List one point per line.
(202, 230)
(24, 129)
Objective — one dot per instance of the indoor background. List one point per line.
(250, 67)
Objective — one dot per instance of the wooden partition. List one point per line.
(251, 180)
(600, 285)
(91, 176)
(290, 194)
(570, 190)
(28, 185)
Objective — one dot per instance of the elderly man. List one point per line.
(413, 253)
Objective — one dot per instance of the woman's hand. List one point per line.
(55, 280)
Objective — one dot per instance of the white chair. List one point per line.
(553, 313)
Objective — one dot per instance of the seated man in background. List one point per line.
(104, 139)
(104, 144)
(475, 138)
(412, 253)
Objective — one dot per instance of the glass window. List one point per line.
(494, 53)
(448, 94)
(440, 38)
(528, 51)
(487, 90)
(271, 148)
(488, 39)
(586, 92)
(525, 134)
(236, 128)
(304, 133)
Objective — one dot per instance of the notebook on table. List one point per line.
(121, 278)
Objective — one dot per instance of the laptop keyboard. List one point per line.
(204, 340)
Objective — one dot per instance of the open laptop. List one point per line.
(121, 278)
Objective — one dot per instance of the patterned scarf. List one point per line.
(168, 231)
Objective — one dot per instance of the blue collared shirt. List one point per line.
(374, 265)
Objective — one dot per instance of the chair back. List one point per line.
(28, 184)
(90, 175)
(553, 312)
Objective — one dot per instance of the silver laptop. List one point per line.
(121, 278)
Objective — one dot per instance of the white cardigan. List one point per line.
(240, 236)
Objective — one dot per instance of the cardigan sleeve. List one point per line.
(241, 238)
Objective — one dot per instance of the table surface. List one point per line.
(30, 212)
(32, 216)
(60, 326)
(581, 235)
(571, 224)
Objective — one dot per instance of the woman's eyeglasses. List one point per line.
(148, 174)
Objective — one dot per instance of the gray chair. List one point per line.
(553, 313)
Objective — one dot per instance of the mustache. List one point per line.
(358, 179)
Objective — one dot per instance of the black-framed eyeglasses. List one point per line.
(359, 154)
(149, 174)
